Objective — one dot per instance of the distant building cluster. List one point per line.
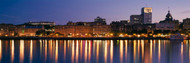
(138, 26)
(144, 18)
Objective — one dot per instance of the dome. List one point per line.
(169, 17)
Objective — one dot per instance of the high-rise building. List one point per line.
(146, 13)
(136, 19)
(186, 23)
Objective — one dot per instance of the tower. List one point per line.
(146, 13)
(169, 16)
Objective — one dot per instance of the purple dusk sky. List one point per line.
(62, 11)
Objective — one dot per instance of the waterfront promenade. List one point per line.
(87, 38)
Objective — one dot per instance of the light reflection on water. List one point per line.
(94, 51)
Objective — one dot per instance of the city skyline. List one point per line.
(61, 12)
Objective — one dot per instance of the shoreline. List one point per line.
(87, 38)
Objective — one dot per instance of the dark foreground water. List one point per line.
(94, 51)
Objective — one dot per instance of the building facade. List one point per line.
(136, 19)
(83, 31)
(146, 13)
(168, 24)
(186, 24)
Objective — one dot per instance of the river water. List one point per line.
(94, 51)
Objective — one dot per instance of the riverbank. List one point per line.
(86, 38)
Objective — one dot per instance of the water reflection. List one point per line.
(142, 49)
(159, 50)
(21, 51)
(73, 50)
(31, 50)
(105, 52)
(111, 52)
(97, 52)
(12, 51)
(56, 51)
(89, 51)
(134, 51)
(94, 51)
(0, 50)
(77, 51)
(85, 52)
(181, 52)
(121, 51)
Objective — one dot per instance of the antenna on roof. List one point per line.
(168, 9)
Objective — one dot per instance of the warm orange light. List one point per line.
(77, 51)
(0, 50)
(111, 52)
(121, 51)
(31, 51)
(12, 51)
(121, 35)
(56, 51)
(138, 35)
(111, 34)
(21, 51)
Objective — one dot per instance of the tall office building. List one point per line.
(136, 19)
(146, 13)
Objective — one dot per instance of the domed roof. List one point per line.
(169, 17)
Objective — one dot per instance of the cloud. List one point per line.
(185, 12)
(8, 16)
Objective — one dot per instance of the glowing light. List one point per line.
(138, 35)
(56, 51)
(73, 50)
(21, 51)
(142, 46)
(138, 48)
(85, 53)
(150, 51)
(111, 34)
(134, 51)
(181, 52)
(89, 51)
(86, 34)
(121, 35)
(45, 50)
(111, 52)
(31, 51)
(0, 50)
(12, 51)
(130, 35)
(64, 50)
(126, 48)
(121, 51)
(105, 52)
(50, 48)
(159, 51)
(77, 51)
(81, 45)
(97, 52)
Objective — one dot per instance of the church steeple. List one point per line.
(169, 16)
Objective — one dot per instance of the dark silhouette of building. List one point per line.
(136, 19)
(168, 24)
(186, 24)
(97, 21)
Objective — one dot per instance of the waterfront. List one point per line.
(94, 51)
